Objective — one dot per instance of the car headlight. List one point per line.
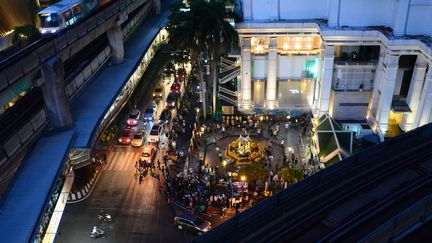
(120, 140)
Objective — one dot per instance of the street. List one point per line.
(140, 212)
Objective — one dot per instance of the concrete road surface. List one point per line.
(140, 213)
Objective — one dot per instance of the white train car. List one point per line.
(55, 18)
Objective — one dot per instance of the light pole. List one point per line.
(232, 189)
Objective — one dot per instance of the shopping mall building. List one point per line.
(358, 60)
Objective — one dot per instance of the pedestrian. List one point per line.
(224, 212)
(211, 200)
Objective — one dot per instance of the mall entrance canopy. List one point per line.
(333, 143)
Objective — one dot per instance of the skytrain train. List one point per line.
(57, 17)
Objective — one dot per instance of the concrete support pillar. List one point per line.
(400, 17)
(391, 66)
(272, 75)
(246, 86)
(327, 57)
(54, 94)
(413, 99)
(333, 15)
(426, 99)
(373, 105)
(157, 6)
(115, 38)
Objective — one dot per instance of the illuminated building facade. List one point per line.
(356, 60)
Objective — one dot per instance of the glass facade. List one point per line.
(296, 93)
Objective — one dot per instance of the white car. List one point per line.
(137, 140)
(155, 133)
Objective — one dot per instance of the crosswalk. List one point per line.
(123, 160)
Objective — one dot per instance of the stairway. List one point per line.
(229, 71)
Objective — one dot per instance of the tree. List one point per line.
(253, 172)
(220, 38)
(23, 32)
(185, 31)
(291, 174)
(201, 27)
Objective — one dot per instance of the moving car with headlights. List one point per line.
(158, 91)
(191, 223)
(148, 154)
(149, 113)
(171, 100)
(125, 136)
(138, 139)
(133, 118)
(181, 73)
(155, 133)
(169, 68)
(165, 116)
(175, 87)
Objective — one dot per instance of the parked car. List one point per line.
(171, 100)
(165, 116)
(175, 87)
(149, 113)
(125, 136)
(155, 133)
(133, 118)
(158, 91)
(191, 223)
(148, 154)
(137, 140)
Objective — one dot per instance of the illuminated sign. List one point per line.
(298, 43)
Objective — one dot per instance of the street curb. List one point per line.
(87, 190)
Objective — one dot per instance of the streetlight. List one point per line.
(243, 178)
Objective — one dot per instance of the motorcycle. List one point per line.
(104, 216)
(96, 233)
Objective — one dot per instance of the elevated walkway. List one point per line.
(27, 207)
(30, 192)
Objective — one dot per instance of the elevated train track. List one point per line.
(27, 61)
(24, 121)
(329, 206)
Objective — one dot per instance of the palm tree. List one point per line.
(220, 38)
(186, 35)
(203, 28)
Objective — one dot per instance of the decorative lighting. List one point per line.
(259, 48)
